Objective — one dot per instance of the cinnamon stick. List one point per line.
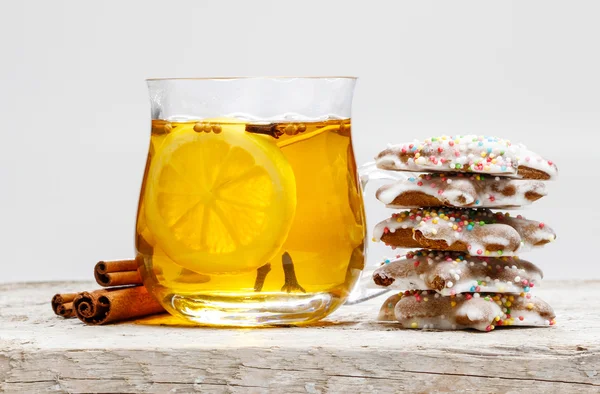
(112, 305)
(62, 304)
(117, 273)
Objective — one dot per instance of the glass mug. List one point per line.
(250, 210)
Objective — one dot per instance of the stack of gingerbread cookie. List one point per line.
(466, 273)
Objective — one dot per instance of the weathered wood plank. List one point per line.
(347, 353)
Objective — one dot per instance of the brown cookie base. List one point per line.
(417, 199)
(402, 238)
(405, 238)
(383, 281)
(530, 173)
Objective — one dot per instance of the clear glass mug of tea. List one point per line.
(250, 210)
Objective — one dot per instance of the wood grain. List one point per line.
(347, 353)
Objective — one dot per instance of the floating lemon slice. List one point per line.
(219, 203)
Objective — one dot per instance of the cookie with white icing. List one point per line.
(479, 311)
(461, 190)
(475, 231)
(467, 153)
(450, 273)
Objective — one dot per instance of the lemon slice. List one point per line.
(219, 203)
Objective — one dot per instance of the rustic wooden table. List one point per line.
(347, 353)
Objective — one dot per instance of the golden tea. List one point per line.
(235, 213)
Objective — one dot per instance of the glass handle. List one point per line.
(369, 172)
(365, 289)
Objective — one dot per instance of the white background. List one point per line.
(75, 116)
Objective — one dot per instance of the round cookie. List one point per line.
(460, 190)
(450, 273)
(479, 311)
(475, 231)
(468, 153)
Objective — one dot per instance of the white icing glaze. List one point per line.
(480, 312)
(515, 235)
(464, 191)
(468, 153)
(451, 273)
(529, 319)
